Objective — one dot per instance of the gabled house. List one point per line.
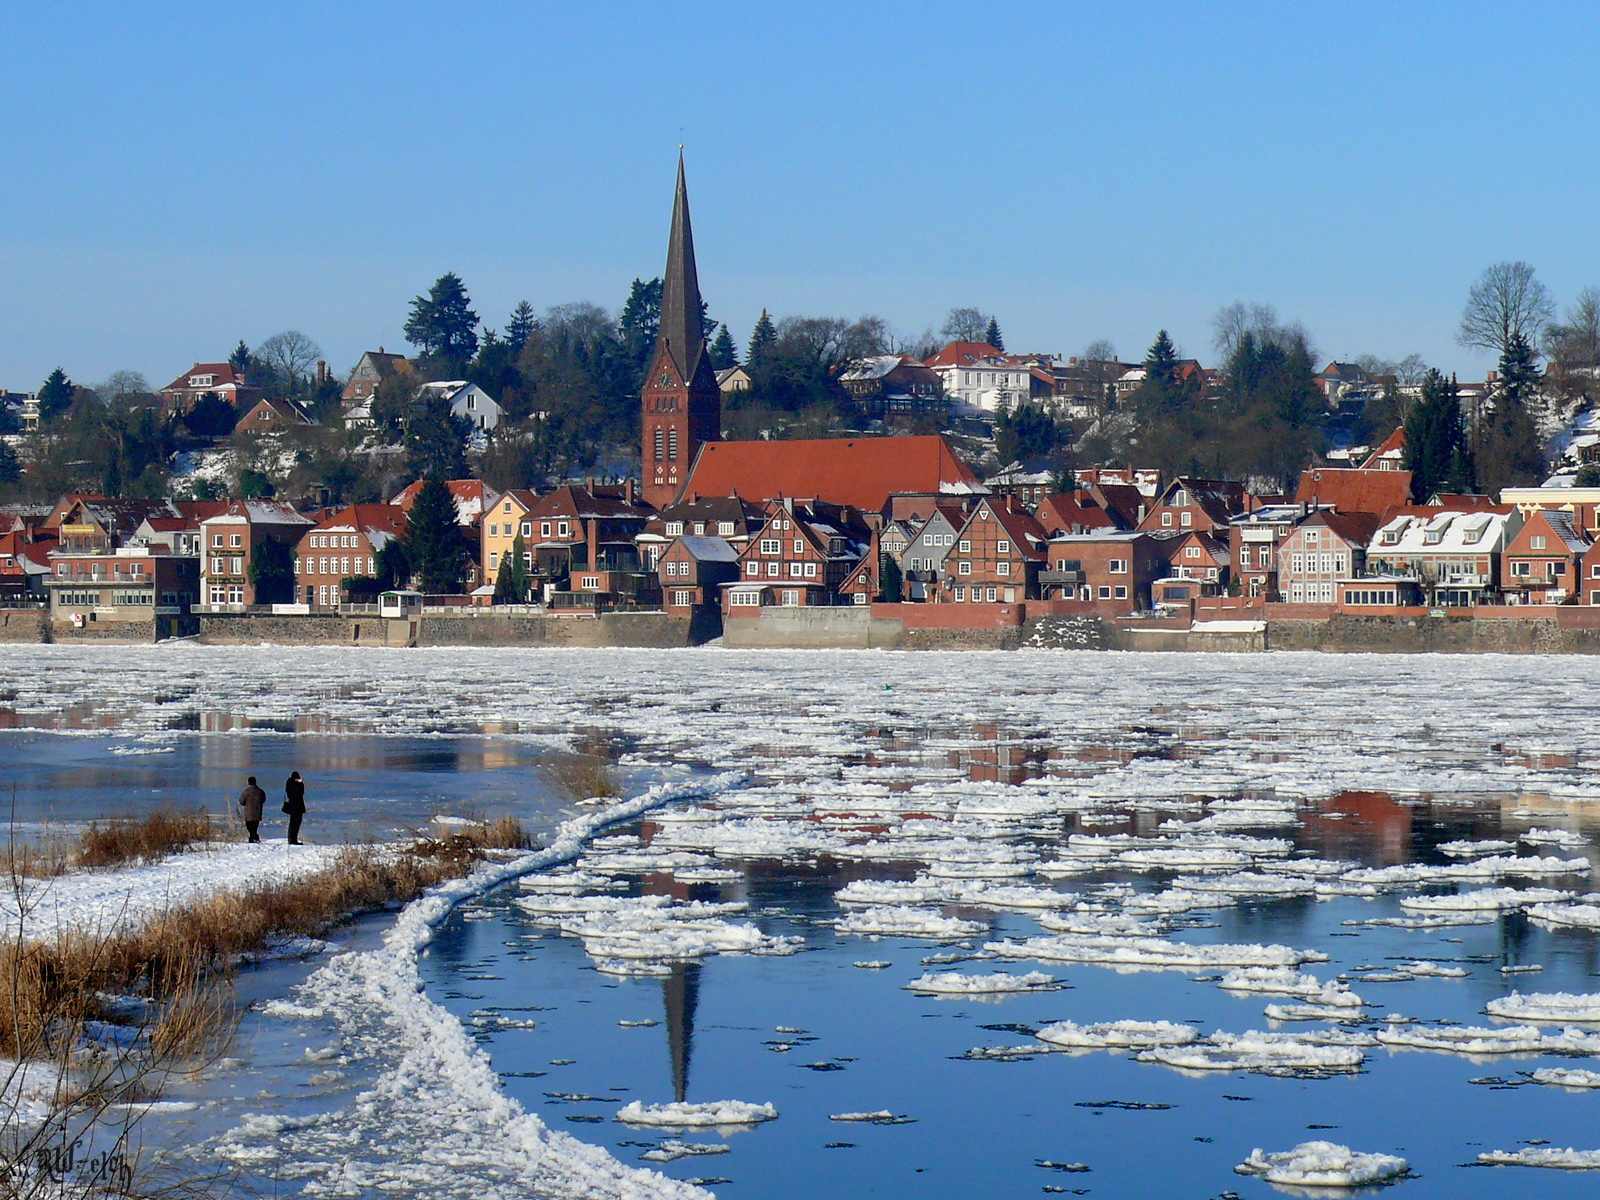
(584, 547)
(1542, 560)
(88, 524)
(1030, 482)
(1389, 454)
(922, 561)
(1189, 502)
(998, 555)
(508, 517)
(218, 379)
(731, 381)
(895, 538)
(892, 383)
(343, 545)
(1073, 512)
(24, 564)
(799, 557)
(1324, 548)
(467, 401)
(731, 518)
(1253, 542)
(1201, 556)
(272, 415)
(693, 569)
(230, 541)
(371, 369)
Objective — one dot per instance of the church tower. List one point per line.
(681, 402)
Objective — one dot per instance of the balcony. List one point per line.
(1064, 575)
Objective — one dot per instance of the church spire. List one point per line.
(682, 329)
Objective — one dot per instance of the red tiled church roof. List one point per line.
(862, 472)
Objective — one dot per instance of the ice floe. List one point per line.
(1321, 1164)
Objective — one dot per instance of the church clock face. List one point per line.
(665, 380)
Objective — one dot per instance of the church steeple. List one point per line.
(682, 329)
(680, 402)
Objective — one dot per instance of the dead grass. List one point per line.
(182, 961)
(165, 831)
(583, 776)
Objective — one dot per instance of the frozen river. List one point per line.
(1306, 888)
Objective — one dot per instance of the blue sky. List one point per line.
(184, 175)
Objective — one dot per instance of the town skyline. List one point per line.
(1083, 237)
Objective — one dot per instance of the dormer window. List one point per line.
(674, 528)
(1536, 542)
(201, 381)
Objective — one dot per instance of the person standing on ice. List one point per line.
(294, 803)
(252, 801)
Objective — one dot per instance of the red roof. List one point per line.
(1067, 513)
(964, 353)
(1355, 528)
(1395, 441)
(862, 472)
(222, 371)
(1350, 489)
(379, 518)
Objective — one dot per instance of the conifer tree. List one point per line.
(723, 352)
(521, 327)
(442, 324)
(511, 583)
(433, 543)
(240, 359)
(1508, 439)
(55, 395)
(1437, 453)
(763, 341)
(993, 336)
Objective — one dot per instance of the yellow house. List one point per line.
(500, 526)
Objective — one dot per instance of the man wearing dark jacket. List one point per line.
(251, 801)
(294, 803)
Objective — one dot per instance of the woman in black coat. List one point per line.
(294, 803)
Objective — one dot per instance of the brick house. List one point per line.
(892, 383)
(91, 523)
(895, 538)
(799, 557)
(1189, 502)
(24, 564)
(1073, 512)
(998, 555)
(1542, 560)
(1588, 583)
(1389, 454)
(1323, 549)
(693, 569)
(728, 517)
(218, 379)
(1254, 539)
(1030, 482)
(229, 540)
(584, 547)
(343, 545)
(271, 415)
(1107, 567)
(133, 583)
(1200, 556)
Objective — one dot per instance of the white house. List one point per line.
(467, 400)
(985, 385)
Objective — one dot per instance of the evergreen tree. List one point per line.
(1161, 361)
(521, 327)
(442, 324)
(434, 546)
(435, 439)
(763, 343)
(638, 327)
(10, 469)
(1508, 439)
(889, 580)
(1437, 453)
(993, 336)
(240, 359)
(394, 567)
(272, 571)
(511, 583)
(211, 416)
(723, 352)
(1026, 433)
(55, 395)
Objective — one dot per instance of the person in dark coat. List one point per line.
(251, 802)
(294, 803)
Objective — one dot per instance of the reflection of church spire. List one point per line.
(681, 992)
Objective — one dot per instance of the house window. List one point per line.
(1003, 567)
(494, 561)
(1537, 541)
(724, 528)
(795, 570)
(683, 599)
(563, 529)
(771, 546)
(235, 540)
(1186, 519)
(1191, 551)
(699, 528)
(1117, 566)
(1311, 537)
(1121, 591)
(772, 570)
(991, 595)
(811, 570)
(799, 546)
(591, 583)
(1166, 520)
(544, 528)
(959, 593)
(860, 598)
(1002, 547)
(752, 567)
(965, 547)
(527, 529)
(963, 567)
(791, 598)
(1519, 568)
(674, 528)
(1105, 592)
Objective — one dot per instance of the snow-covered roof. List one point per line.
(1445, 533)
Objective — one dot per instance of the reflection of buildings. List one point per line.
(681, 993)
(1371, 826)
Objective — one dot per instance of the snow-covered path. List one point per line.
(111, 901)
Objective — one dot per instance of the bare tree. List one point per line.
(966, 324)
(1233, 321)
(1575, 342)
(1101, 350)
(1508, 301)
(289, 355)
(121, 385)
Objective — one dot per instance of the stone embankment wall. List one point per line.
(653, 630)
(1344, 633)
(26, 625)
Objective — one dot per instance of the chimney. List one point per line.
(322, 371)
(588, 484)
(627, 489)
(381, 350)
(593, 532)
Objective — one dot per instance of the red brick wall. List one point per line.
(949, 616)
